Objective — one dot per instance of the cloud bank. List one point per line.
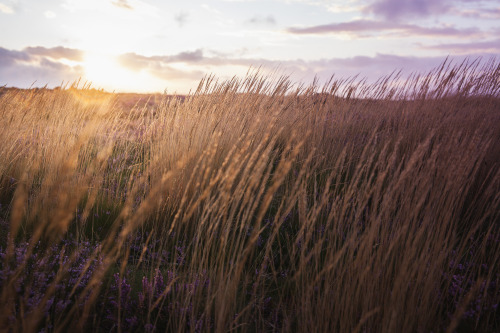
(185, 69)
(38, 66)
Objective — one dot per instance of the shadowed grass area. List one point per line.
(255, 205)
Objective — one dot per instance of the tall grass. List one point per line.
(255, 204)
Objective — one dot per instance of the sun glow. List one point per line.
(104, 71)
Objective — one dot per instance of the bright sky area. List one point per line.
(153, 45)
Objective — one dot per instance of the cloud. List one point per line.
(235, 53)
(184, 70)
(181, 18)
(370, 67)
(171, 73)
(343, 8)
(260, 20)
(365, 28)
(110, 7)
(138, 62)
(492, 46)
(9, 57)
(189, 56)
(480, 13)
(23, 68)
(211, 9)
(380, 64)
(135, 61)
(6, 9)
(49, 14)
(58, 52)
(226, 65)
(399, 9)
(164, 67)
(122, 4)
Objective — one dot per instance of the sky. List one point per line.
(169, 46)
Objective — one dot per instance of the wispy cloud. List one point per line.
(122, 4)
(171, 73)
(262, 20)
(492, 46)
(189, 56)
(181, 18)
(343, 9)
(135, 7)
(192, 58)
(49, 14)
(366, 28)
(138, 62)
(6, 9)
(235, 53)
(479, 13)
(164, 66)
(58, 52)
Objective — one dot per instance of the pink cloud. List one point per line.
(482, 46)
(58, 52)
(363, 28)
(398, 9)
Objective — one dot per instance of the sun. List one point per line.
(104, 71)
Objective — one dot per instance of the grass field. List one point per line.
(254, 204)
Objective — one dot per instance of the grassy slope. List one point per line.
(259, 206)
